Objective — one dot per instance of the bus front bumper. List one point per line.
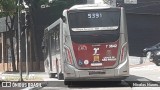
(118, 73)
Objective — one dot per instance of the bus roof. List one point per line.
(53, 25)
(90, 6)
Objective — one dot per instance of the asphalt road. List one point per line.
(142, 77)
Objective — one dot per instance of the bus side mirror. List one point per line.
(63, 18)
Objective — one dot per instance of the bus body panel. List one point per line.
(94, 56)
(71, 73)
(51, 47)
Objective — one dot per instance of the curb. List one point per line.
(137, 60)
(36, 76)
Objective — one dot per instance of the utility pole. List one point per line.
(19, 40)
(2, 40)
(26, 38)
(26, 25)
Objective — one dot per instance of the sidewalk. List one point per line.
(34, 79)
(14, 76)
(133, 60)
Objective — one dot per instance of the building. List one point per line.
(143, 19)
(5, 51)
(3, 46)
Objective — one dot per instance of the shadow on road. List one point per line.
(128, 82)
(142, 81)
(88, 84)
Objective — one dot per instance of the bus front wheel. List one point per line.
(67, 82)
(52, 75)
(157, 62)
(60, 76)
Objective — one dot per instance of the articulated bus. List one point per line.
(89, 42)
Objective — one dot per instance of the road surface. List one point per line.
(142, 77)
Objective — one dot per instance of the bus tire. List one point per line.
(67, 82)
(60, 76)
(158, 63)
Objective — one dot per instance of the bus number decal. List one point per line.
(94, 15)
(113, 46)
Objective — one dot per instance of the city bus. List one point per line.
(88, 42)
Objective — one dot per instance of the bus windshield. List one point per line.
(94, 20)
(98, 26)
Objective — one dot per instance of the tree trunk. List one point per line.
(34, 38)
(10, 27)
(12, 52)
(17, 49)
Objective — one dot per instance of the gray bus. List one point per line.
(89, 42)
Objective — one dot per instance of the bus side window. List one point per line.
(53, 43)
(57, 41)
(45, 46)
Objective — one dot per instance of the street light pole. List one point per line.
(26, 39)
(19, 40)
(26, 11)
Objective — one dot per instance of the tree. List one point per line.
(9, 9)
(51, 14)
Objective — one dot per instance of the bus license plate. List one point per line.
(96, 72)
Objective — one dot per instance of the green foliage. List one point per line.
(1, 15)
(9, 9)
(66, 3)
(43, 2)
(54, 11)
(9, 6)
